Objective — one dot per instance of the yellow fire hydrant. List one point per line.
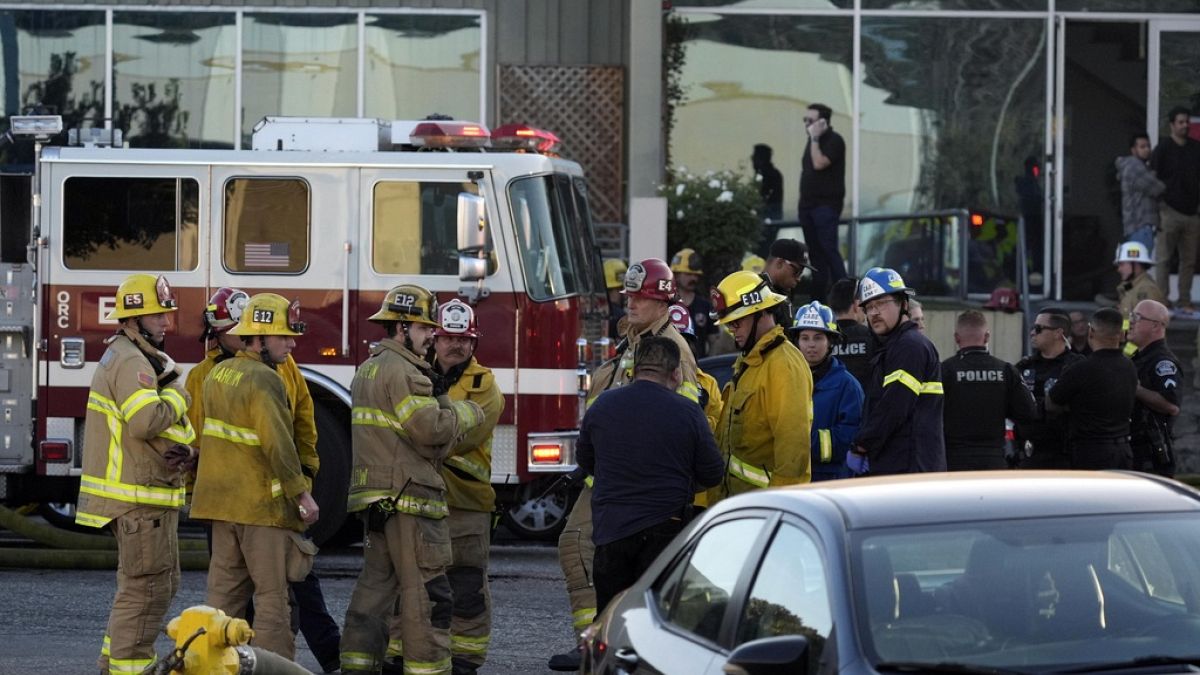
(204, 641)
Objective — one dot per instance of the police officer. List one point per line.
(402, 428)
(1133, 263)
(837, 396)
(614, 281)
(856, 345)
(250, 484)
(765, 423)
(981, 391)
(222, 313)
(468, 475)
(1043, 439)
(786, 261)
(902, 420)
(136, 452)
(688, 269)
(1098, 396)
(649, 290)
(1158, 393)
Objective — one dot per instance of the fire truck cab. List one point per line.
(332, 212)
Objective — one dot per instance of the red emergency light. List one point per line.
(524, 138)
(977, 219)
(450, 134)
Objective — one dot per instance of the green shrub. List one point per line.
(714, 213)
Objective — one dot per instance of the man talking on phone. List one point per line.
(822, 193)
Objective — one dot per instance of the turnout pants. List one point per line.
(408, 558)
(252, 561)
(471, 623)
(575, 553)
(147, 578)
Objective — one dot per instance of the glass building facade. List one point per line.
(1017, 107)
(202, 78)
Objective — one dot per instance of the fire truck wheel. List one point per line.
(531, 516)
(333, 478)
(62, 515)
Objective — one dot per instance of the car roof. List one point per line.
(934, 498)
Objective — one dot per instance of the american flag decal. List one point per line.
(273, 254)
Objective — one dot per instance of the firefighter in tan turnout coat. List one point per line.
(402, 430)
(136, 452)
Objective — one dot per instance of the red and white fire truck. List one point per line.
(333, 212)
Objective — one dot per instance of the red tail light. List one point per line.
(56, 451)
(546, 454)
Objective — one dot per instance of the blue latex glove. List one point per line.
(857, 463)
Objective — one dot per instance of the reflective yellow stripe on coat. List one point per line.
(111, 486)
(826, 440)
(918, 387)
(756, 476)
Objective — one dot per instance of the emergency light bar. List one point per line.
(449, 134)
(523, 137)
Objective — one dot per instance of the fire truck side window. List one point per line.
(545, 239)
(414, 228)
(130, 223)
(267, 223)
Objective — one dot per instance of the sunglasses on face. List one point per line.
(1038, 328)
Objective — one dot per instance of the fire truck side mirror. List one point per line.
(472, 223)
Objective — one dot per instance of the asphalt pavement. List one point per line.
(52, 621)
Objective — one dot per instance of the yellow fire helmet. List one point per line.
(270, 314)
(741, 294)
(142, 294)
(753, 263)
(687, 261)
(410, 303)
(614, 273)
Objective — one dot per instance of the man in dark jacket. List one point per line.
(1158, 392)
(626, 445)
(786, 262)
(1098, 396)
(902, 423)
(857, 343)
(1043, 439)
(981, 392)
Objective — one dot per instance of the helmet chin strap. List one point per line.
(149, 337)
(752, 337)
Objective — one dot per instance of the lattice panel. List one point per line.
(584, 106)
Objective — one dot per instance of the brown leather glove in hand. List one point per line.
(180, 457)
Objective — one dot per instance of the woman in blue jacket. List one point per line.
(837, 396)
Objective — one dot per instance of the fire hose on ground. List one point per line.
(75, 550)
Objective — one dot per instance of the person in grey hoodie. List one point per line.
(1140, 190)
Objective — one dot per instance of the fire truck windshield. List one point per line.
(554, 235)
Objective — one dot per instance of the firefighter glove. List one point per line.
(180, 457)
(440, 384)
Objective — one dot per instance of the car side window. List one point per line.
(694, 595)
(789, 595)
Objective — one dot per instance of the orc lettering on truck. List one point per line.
(64, 309)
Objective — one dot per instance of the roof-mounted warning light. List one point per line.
(524, 138)
(446, 134)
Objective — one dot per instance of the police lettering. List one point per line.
(979, 376)
(854, 349)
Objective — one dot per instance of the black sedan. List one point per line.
(999, 572)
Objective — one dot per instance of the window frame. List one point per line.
(737, 597)
(373, 239)
(308, 240)
(200, 243)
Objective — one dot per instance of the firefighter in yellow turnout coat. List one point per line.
(649, 289)
(135, 452)
(250, 483)
(402, 430)
(468, 475)
(766, 419)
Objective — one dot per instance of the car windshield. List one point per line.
(558, 253)
(1031, 594)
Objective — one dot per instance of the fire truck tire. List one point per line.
(333, 478)
(62, 515)
(529, 517)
